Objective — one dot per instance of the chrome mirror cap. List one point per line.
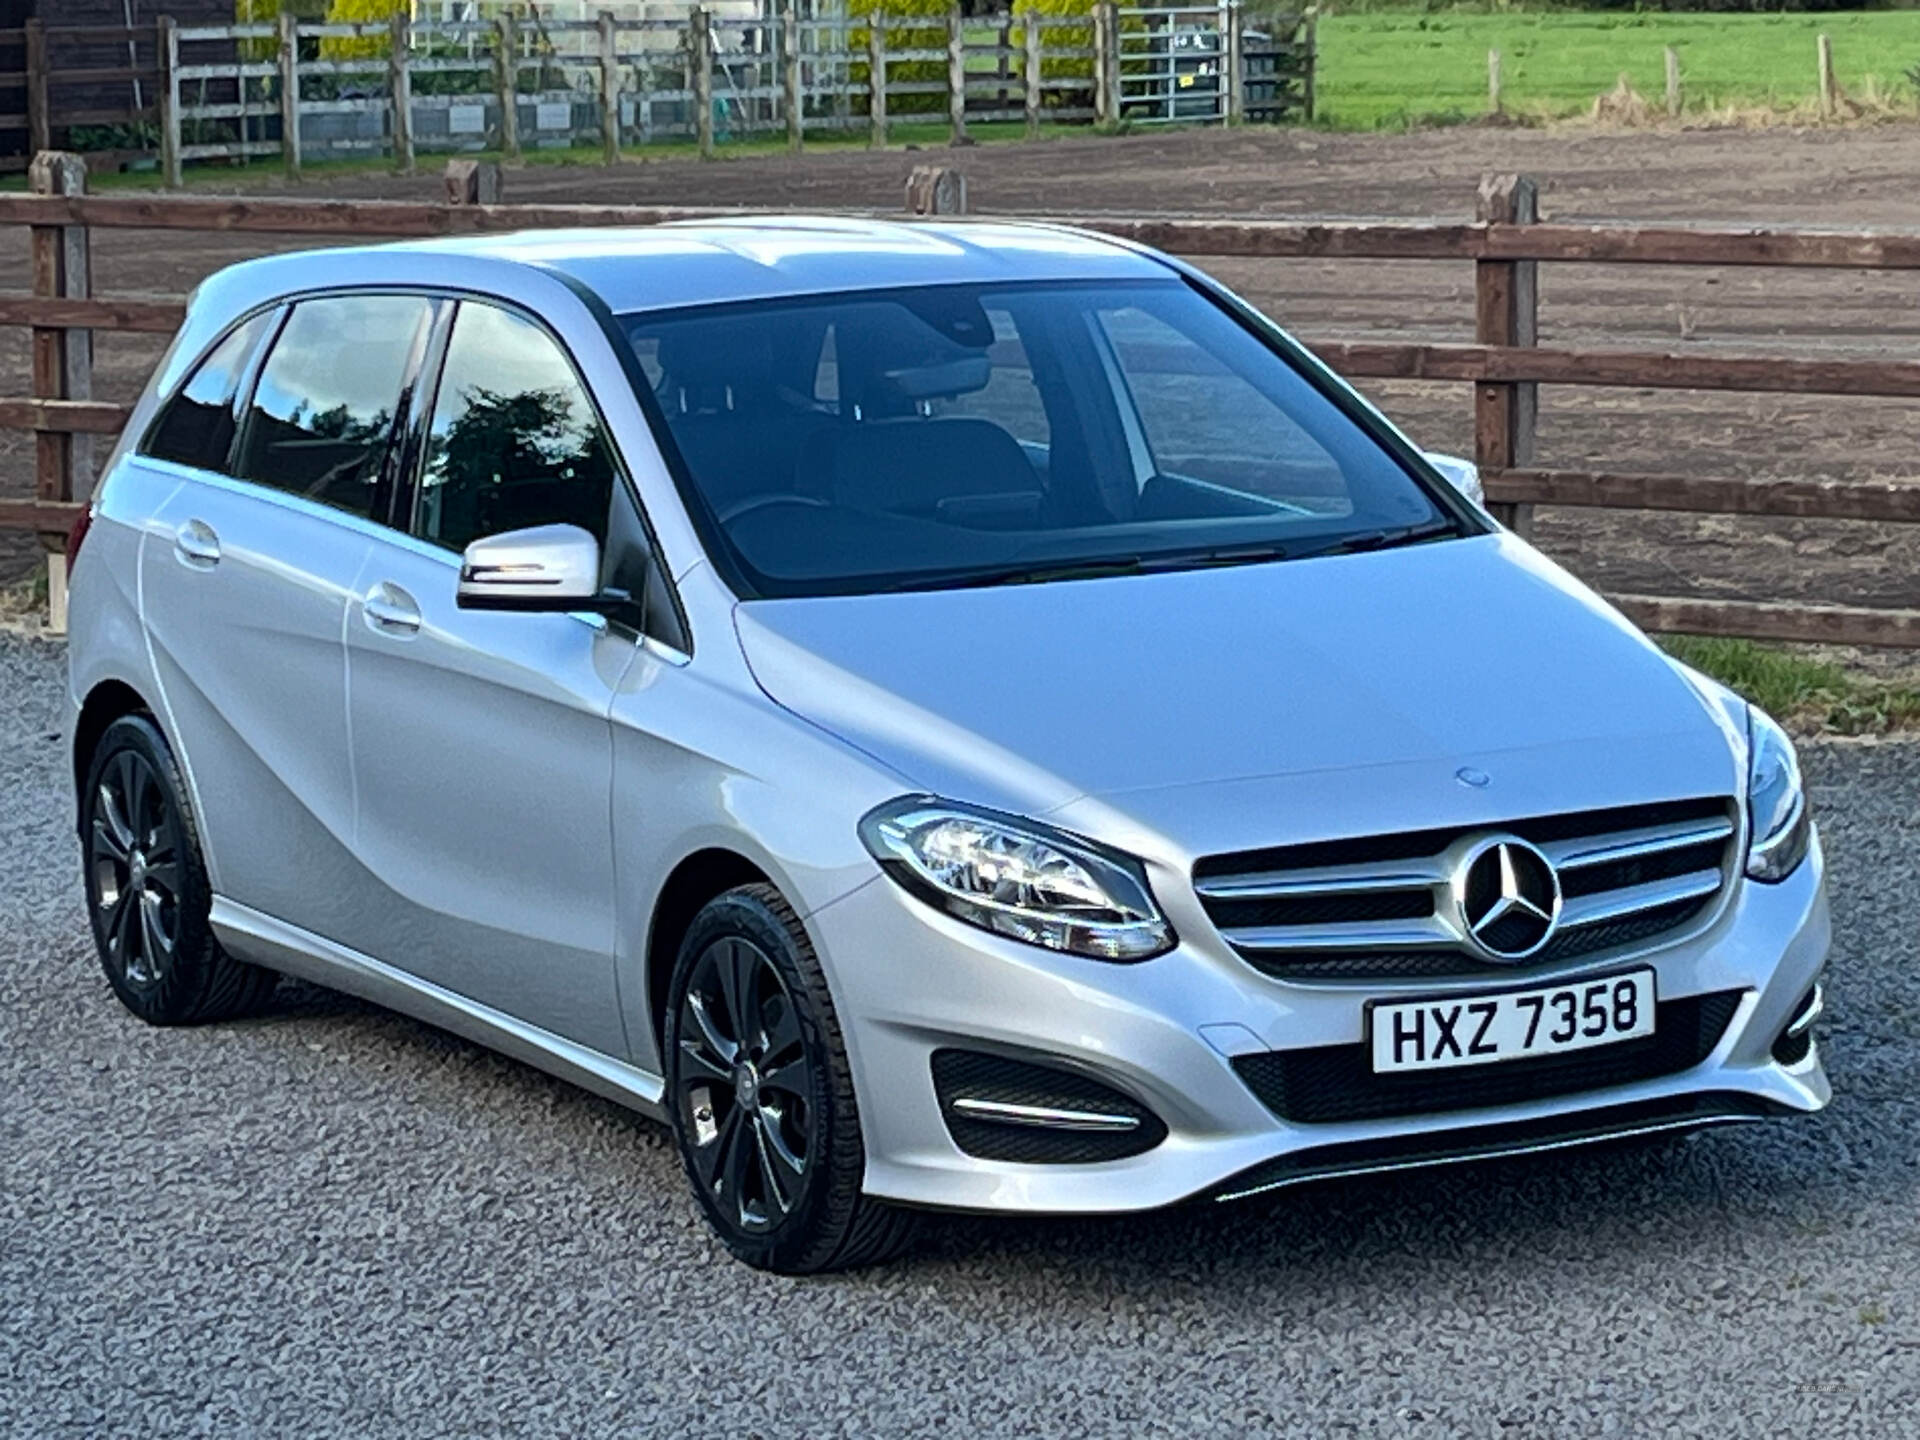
(545, 567)
(1463, 475)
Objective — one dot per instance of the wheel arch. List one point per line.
(106, 702)
(695, 880)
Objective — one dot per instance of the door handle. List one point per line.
(196, 545)
(391, 610)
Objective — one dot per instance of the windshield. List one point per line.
(969, 435)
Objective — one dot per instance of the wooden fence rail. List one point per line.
(1503, 366)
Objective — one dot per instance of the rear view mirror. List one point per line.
(546, 567)
(1463, 475)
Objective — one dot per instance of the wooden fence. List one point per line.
(1504, 365)
(296, 89)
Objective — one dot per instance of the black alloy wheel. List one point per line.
(745, 1085)
(133, 861)
(761, 1094)
(148, 895)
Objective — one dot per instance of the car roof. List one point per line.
(712, 261)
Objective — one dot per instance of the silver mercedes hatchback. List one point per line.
(965, 716)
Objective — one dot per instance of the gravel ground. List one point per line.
(333, 1220)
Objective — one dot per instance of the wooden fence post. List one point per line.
(936, 190)
(877, 80)
(1493, 82)
(62, 266)
(39, 109)
(473, 182)
(400, 90)
(290, 93)
(1035, 73)
(1106, 63)
(167, 53)
(700, 37)
(1309, 34)
(1506, 312)
(1233, 65)
(1673, 82)
(506, 84)
(609, 90)
(1829, 92)
(957, 78)
(791, 93)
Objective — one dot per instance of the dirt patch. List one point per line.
(1839, 177)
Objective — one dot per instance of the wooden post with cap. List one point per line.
(1506, 312)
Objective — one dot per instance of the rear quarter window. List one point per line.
(196, 427)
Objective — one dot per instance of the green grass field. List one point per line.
(1392, 68)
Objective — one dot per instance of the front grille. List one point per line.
(1337, 1082)
(970, 1075)
(1377, 907)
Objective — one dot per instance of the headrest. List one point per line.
(736, 353)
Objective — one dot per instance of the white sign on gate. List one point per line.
(553, 115)
(466, 119)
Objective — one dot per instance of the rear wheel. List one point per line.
(147, 888)
(762, 1096)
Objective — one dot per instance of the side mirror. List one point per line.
(1463, 475)
(545, 567)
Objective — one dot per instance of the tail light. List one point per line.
(77, 534)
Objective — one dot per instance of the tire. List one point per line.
(147, 889)
(757, 1080)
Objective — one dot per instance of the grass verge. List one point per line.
(1389, 69)
(1810, 692)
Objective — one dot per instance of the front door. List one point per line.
(482, 751)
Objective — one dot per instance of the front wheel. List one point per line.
(762, 1096)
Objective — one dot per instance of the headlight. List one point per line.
(1780, 826)
(1018, 878)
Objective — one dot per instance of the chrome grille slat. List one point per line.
(1633, 844)
(1382, 908)
(1583, 910)
(1333, 880)
(1378, 935)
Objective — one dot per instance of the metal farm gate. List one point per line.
(1213, 62)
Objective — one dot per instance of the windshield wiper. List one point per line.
(1025, 574)
(1109, 565)
(1380, 539)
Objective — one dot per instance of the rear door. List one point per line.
(245, 581)
(482, 748)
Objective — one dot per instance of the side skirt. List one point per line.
(262, 940)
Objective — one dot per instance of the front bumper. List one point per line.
(909, 981)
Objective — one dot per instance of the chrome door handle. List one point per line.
(390, 610)
(196, 545)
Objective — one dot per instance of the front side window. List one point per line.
(962, 435)
(196, 428)
(323, 409)
(514, 439)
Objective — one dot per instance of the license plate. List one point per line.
(1438, 1034)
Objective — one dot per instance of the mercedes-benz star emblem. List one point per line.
(1507, 897)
